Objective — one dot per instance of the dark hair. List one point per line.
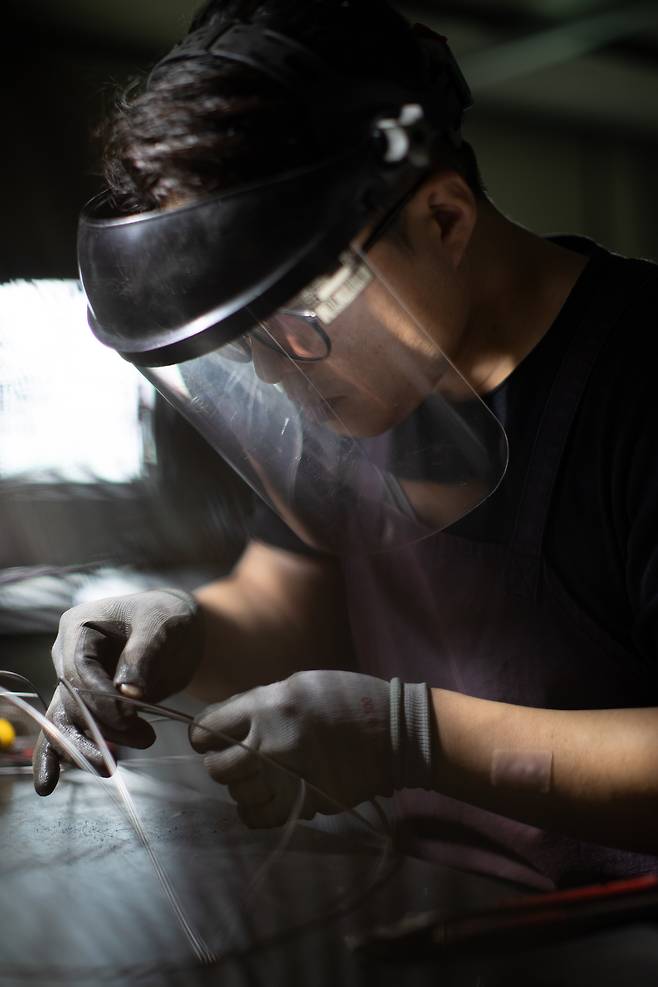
(203, 125)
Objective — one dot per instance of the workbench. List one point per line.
(83, 903)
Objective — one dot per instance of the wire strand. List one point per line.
(200, 948)
(16, 677)
(202, 952)
(189, 720)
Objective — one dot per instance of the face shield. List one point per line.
(343, 414)
(338, 408)
(267, 322)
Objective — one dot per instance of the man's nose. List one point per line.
(270, 365)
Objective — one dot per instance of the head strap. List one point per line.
(276, 55)
(301, 70)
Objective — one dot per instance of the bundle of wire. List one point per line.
(212, 889)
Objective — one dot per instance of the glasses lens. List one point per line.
(298, 334)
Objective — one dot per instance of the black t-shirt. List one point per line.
(602, 531)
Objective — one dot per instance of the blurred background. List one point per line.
(565, 125)
(565, 120)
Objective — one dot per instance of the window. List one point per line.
(71, 410)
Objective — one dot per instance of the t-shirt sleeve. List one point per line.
(266, 526)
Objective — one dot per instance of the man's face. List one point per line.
(383, 363)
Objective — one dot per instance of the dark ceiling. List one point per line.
(589, 61)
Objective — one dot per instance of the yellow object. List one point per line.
(7, 735)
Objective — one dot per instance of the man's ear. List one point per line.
(442, 215)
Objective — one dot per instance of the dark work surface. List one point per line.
(83, 905)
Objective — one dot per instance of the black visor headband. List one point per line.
(168, 285)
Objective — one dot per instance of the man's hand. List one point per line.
(147, 644)
(352, 736)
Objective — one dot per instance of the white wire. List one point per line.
(280, 848)
(125, 801)
(200, 948)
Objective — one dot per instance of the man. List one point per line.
(299, 251)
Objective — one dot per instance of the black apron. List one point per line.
(495, 621)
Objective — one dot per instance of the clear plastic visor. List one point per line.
(344, 415)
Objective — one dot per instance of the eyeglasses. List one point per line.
(297, 332)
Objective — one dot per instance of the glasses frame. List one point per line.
(262, 334)
(264, 337)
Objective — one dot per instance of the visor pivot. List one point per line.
(405, 137)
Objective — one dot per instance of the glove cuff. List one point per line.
(411, 735)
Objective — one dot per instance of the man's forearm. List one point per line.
(275, 615)
(592, 774)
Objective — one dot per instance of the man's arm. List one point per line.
(592, 774)
(279, 612)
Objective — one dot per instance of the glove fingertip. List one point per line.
(45, 769)
(128, 680)
(131, 690)
(200, 738)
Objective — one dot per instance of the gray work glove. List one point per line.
(150, 642)
(351, 735)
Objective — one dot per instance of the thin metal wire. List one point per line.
(52, 732)
(168, 713)
(293, 819)
(200, 948)
(141, 762)
(156, 708)
(55, 735)
(286, 837)
(16, 677)
(384, 838)
(175, 714)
